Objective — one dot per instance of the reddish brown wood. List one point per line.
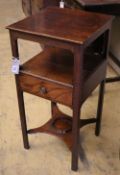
(14, 48)
(67, 74)
(57, 130)
(46, 24)
(60, 125)
(52, 72)
(49, 75)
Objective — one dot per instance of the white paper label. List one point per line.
(62, 4)
(15, 65)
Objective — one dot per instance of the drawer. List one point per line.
(46, 89)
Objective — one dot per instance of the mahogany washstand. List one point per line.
(67, 71)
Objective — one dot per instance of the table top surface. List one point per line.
(69, 25)
(98, 2)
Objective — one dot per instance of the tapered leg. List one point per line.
(75, 141)
(100, 107)
(22, 114)
(14, 48)
(77, 99)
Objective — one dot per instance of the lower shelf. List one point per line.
(60, 125)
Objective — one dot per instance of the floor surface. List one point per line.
(48, 155)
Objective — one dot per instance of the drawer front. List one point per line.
(46, 89)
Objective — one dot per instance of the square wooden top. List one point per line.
(69, 25)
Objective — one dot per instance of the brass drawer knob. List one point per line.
(43, 90)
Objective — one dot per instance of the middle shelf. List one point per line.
(50, 74)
